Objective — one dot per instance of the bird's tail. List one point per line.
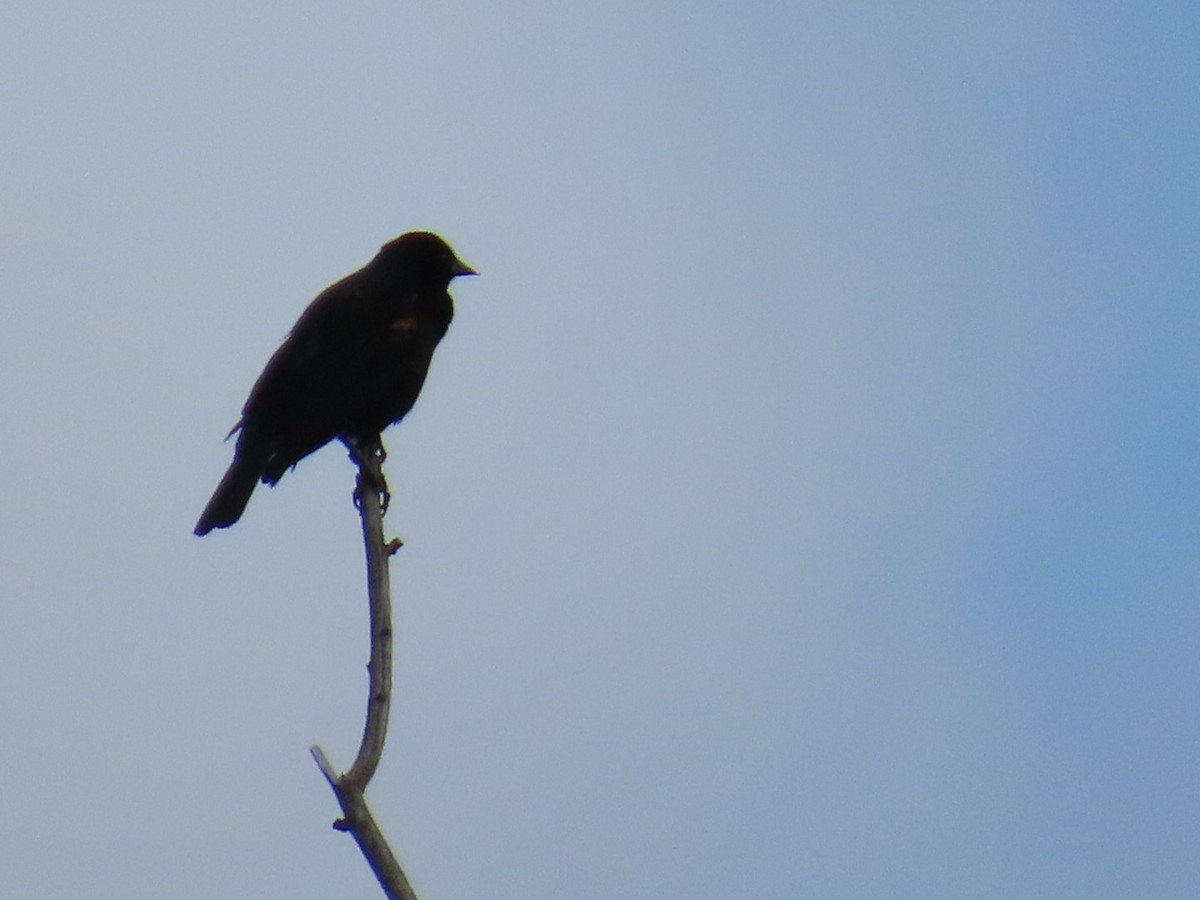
(232, 494)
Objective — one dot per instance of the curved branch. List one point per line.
(367, 493)
(370, 495)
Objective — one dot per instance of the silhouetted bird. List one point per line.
(353, 364)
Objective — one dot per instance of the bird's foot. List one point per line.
(369, 456)
(373, 482)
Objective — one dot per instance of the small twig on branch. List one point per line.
(369, 493)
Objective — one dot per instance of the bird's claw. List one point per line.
(372, 481)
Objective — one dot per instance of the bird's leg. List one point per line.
(365, 450)
(369, 455)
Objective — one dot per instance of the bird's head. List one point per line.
(421, 256)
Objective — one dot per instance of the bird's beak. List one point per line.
(461, 268)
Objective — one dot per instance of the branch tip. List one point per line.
(324, 764)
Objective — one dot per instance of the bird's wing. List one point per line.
(332, 340)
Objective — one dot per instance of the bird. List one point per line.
(352, 365)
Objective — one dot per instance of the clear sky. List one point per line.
(804, 502)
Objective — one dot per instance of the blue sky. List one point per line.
(803, 503)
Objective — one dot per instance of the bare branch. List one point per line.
(379, 670)
(370, 494)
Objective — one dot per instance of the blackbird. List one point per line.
(353, 364)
